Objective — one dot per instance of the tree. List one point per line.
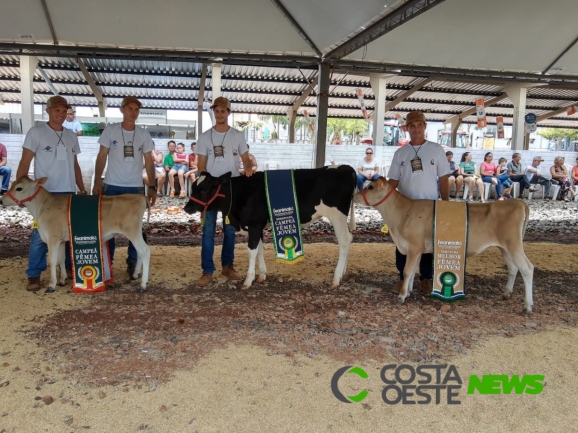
(557, 134)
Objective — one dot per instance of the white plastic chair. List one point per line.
(272, 165)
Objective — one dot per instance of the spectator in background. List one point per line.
(179, 169)
(535, 177)
(469, 171)
(367, 169)
(253, 163)
(575, 173)
(71, 123)
(561, 177)
(192, 163)
(160, 173)
(329, 160)
(514, 170)
(169, 161)
(506, 183)
(454, 176)
(5, 171)
(489, 172)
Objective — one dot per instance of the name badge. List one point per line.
(219, 153)
(61, 152)
(128, 153)
(416, 166)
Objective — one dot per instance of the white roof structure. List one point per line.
(270, 51)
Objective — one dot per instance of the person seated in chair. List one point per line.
(454, 177)
(181, 165)
(192, 163)
(367, 169)
(516, 173)
(502, 170)
(160, 173)
(560, 177)
(489, 172)
(575, 173)
(535, 177)
(469, 171)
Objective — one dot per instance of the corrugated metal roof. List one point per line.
(268, 90)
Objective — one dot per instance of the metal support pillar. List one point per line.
(201, 101)
(378, 84)
(517, 95)
(27, 69)
(322, 110)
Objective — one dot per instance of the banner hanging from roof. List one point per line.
(500, 126)
(481, 113)
(359, 94)
(571, 110)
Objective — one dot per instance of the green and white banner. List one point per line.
(90, 259)
(284, 216)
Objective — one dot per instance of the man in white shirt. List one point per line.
(125, 145)
(534, 176)
(217, 153)
(71, 123)
(54, 150)
(415, 170)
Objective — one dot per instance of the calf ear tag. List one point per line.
(385, 229)
(227, 221)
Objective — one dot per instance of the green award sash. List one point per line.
(90, 260)
(284, 216)
(450, 238)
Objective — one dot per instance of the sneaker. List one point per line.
(397, 287)
(425, 287)
(509, 196)
(204, 280)
(230, 272)
(33, 284)
(3, 191)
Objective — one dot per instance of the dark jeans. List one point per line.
(5, 173)
(542, 181)
(523, 181)
(425, 265)
(119, 190)
(361, 180)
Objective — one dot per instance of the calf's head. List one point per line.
(207, 192)
(375, 193)
(23, 191)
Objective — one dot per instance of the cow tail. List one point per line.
(149, 210)
(526, 220)
(352, 225)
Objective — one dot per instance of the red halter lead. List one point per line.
(380, 201)
(206, 205)
(21, 202)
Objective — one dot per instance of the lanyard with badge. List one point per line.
(60, 147)
(416, 165)
(128, 148)
(219, 150)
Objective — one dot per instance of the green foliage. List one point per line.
(558, 133)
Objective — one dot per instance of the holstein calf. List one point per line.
(320, 192)
(120, 215)
(500, 223)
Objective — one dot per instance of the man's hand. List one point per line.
(97, 188)
(152, 196)
(249, 172)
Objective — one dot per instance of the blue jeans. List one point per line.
(112, 190)
(38, 250)
(208, 243)
(499, 185)
(361, 179)
(5, 172)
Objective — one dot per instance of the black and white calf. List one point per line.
(326, 191)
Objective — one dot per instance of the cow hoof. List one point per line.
(245, 287)
(260, 280)
(62, 284)
(506, 295)
(141, 290)
(400, 300)
(50, 290)
(335, 286)
(134, 277)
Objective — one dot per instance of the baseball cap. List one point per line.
(57, 100)
(537, 158)
(414, 116)
(130, 100)
(222, 102)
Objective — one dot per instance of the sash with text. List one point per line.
(284, 216)
(90, 259)
(450, 238)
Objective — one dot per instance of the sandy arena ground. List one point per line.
(243, 388)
